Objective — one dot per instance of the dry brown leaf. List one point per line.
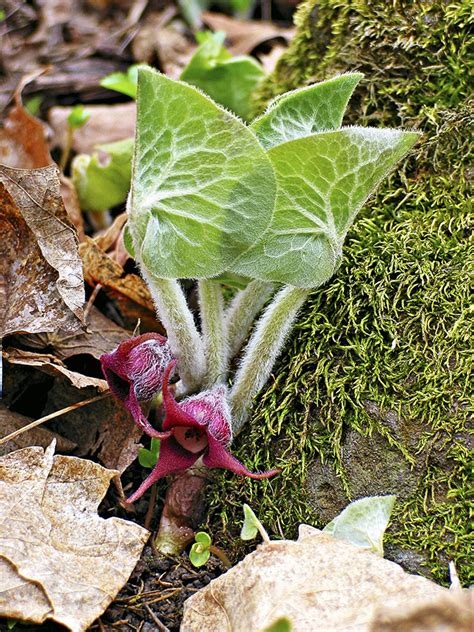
(129, 290)
(103, 428)
(107, 124)
(108, 238)
(243, 36)
(41, 282)
(100, 335)
(52, 539)
(11, 421)
(73, 208)
(23, 141)
(319, 583)
(53, 366)
(156, 39)
(454, 612)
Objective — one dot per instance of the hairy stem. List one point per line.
(213, 327)
(242, 311)
(183, 336)
(263, 349)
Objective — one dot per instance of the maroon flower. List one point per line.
(134, 372)
(199, 426)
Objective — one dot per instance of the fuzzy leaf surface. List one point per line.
(322, 182)
(363, 522)
(202, 189)
(306, 111)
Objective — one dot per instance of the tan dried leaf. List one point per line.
(41, 282)
(100, 335)
(53, 366)
(61, 554)
(129, 290)
(11, 421)
(318, 582)
(107, 124)
(454, 612)
(157, 38)
(243, 36)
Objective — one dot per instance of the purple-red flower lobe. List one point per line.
(134, 372)
(199, 426)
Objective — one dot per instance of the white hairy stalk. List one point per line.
(242, 311)
(183, 336)
(214, 331)
(263, 349)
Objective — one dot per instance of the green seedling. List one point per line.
(202, 549)
(148, 458)
(103, 179)
(123, 82)
(283, 624)
(252, 526)
(77, 118)
(363, 522)
(228, 80)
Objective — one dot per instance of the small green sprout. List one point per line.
(148, 458)
(252, 525)
(282, 624)
(77, 118)
(199, 553)
(202, 549)
(123, 82)
(33, 104)
(363, 522)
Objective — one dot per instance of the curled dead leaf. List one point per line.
(99, 335)
(61, 561)
(129, 290)
(243, 36)
(11, 421)
(53, 366)
(41, 282)
(318, 582)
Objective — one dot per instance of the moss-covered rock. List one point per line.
(371, 395)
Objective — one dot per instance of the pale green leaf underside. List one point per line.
(322, 182)
(307, 111)
(363, 522)
(103, 184)
(202, 188)
(251, 526)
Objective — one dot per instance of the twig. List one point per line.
(161, 626)
(58, 413)
(91, 300)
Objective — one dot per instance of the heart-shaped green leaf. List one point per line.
(306, 111)
(203, 538)
(363, 522)
(198, 555)
(252, 525)
(229, 80)
(322, 182)
(203, 188)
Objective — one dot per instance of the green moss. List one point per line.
(382, 352)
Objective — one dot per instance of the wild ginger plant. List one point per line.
(269, 203)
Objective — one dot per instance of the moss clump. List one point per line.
(371, 395)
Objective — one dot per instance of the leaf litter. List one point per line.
(61, 560)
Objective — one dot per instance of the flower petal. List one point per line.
(172, 458)
(211, 409)
(220, 457)
(175, 415)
